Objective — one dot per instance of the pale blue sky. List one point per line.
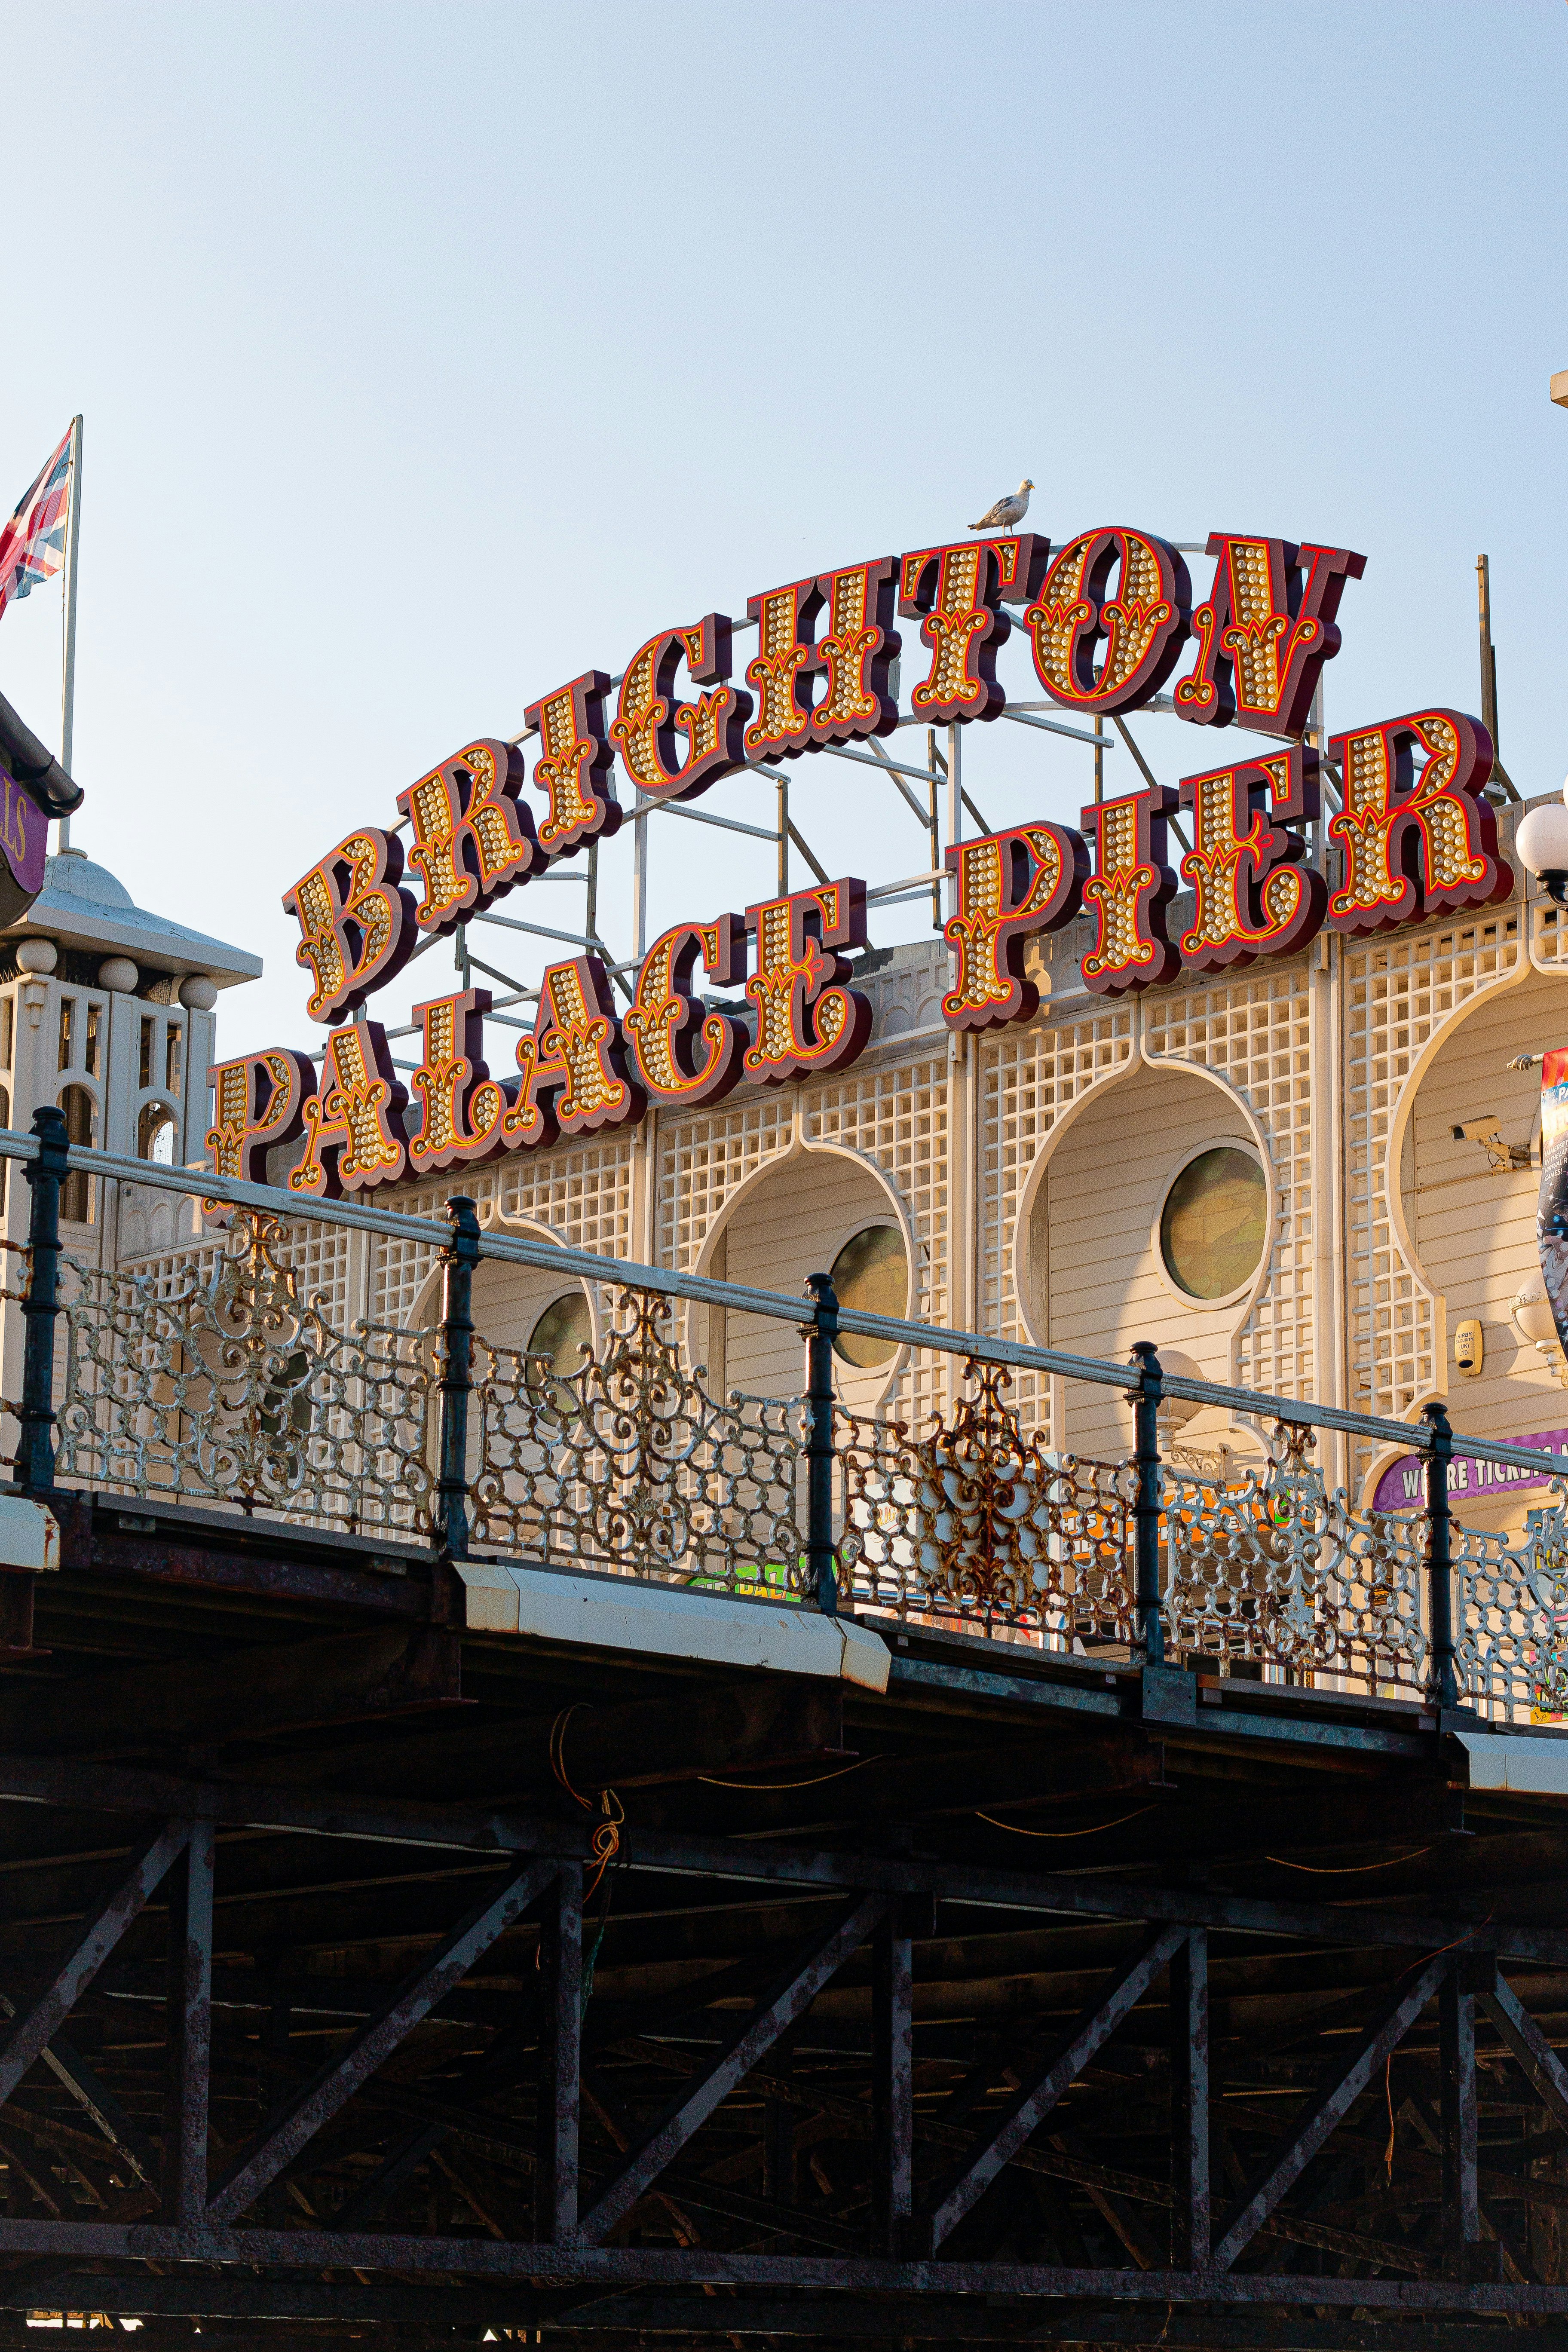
(432, 354)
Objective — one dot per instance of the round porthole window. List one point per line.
(1213, 1225)
(559, 1337)
(871, 1275)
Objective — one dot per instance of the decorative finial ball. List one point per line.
(119, 975)
(36, 955)
(197, 992)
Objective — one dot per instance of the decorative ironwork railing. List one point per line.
(1268, 1567)
(1511, 1615)
(214, 1376)
(217, 1381)
(975, 1523)
(628, 1464)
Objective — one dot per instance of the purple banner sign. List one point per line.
(1401, 1489)
(24, 835)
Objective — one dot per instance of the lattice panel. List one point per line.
(583, 1191)
(898, 1116)
(1028, 1078)
(1550, 945)
(1397, 994)
(701, 1160)
(318, 1255)
(1256, 1031)
(165, 1267)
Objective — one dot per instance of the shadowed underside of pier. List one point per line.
(366, 1976)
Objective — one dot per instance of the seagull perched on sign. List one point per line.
(1008, 512)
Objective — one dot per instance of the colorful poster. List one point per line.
(1551, 1205)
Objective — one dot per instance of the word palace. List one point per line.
(1108, 619)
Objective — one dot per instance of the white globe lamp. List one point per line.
(1541, 842)
(1176, 1411)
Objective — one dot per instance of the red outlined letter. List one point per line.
(1265, 633)
(806, 1020)
(1010, 885)
(1256, 896)
(1137, 634)
(350, 1143)
(648, 718)
(573, 770)
(462, 1103)
(258, 1103)
(473, 839)
(575, 1053)
(960, 591)
(665, 1021)
(358, 925)
(1130, 890)
(853, 655)
(1415, 843)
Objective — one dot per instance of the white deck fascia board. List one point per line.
(1514, 1761)
(29, 1534)
(665, 1621)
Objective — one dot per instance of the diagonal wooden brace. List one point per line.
(1542, 2068)
(28, 2036)
(980, 2168)
(303, 2115)
(789, 1996)
(1393, 2023)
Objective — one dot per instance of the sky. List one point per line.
(431, 356)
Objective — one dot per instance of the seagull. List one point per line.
(1007, 513)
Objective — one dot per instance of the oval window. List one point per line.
(1213, 1227)
(871, 1275)
(557, 1345)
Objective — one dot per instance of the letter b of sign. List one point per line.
(358, 925)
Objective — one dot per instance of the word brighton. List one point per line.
(1106, 618)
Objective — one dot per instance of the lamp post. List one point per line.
(1541, 842)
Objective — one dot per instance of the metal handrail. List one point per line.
(589, 1266)
(459, 1243)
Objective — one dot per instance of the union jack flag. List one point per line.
(33, 542)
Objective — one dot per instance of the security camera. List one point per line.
(1487, 1132)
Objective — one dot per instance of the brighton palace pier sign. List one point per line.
(1110, 618)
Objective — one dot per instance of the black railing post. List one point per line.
(45, 1174)
(1146, 1506)
(459, 1261)
(821, 1564)
(1442, 1684)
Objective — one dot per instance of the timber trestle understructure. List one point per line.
(1107, 1966)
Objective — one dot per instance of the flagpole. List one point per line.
(67, 684)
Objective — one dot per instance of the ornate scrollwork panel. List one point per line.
(977, 1521)
(1510, 1615)
(628, 1465)
(216, 1382)
(1267, 1567)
